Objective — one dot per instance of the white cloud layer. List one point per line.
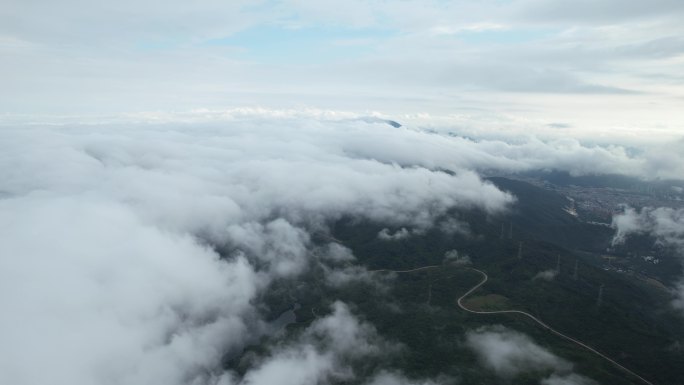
(108, 273)
(93, 295)
(110, 228)
(449, 142)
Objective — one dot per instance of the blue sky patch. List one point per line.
(305, 45)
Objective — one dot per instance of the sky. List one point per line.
(137, 138)
(602, 67)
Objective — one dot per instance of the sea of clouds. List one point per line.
(108, 266)
(109, 270)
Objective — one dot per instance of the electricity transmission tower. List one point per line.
(599, 300)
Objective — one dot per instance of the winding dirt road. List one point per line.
(538, 321)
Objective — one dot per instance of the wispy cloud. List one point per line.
(325, 351)
(509, 353)
(665, 224)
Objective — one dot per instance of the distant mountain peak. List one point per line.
(375, 119)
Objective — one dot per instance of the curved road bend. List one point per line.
(538, 321)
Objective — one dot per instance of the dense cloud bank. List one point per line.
(519, 152)
(108, 268)
(456, 142)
